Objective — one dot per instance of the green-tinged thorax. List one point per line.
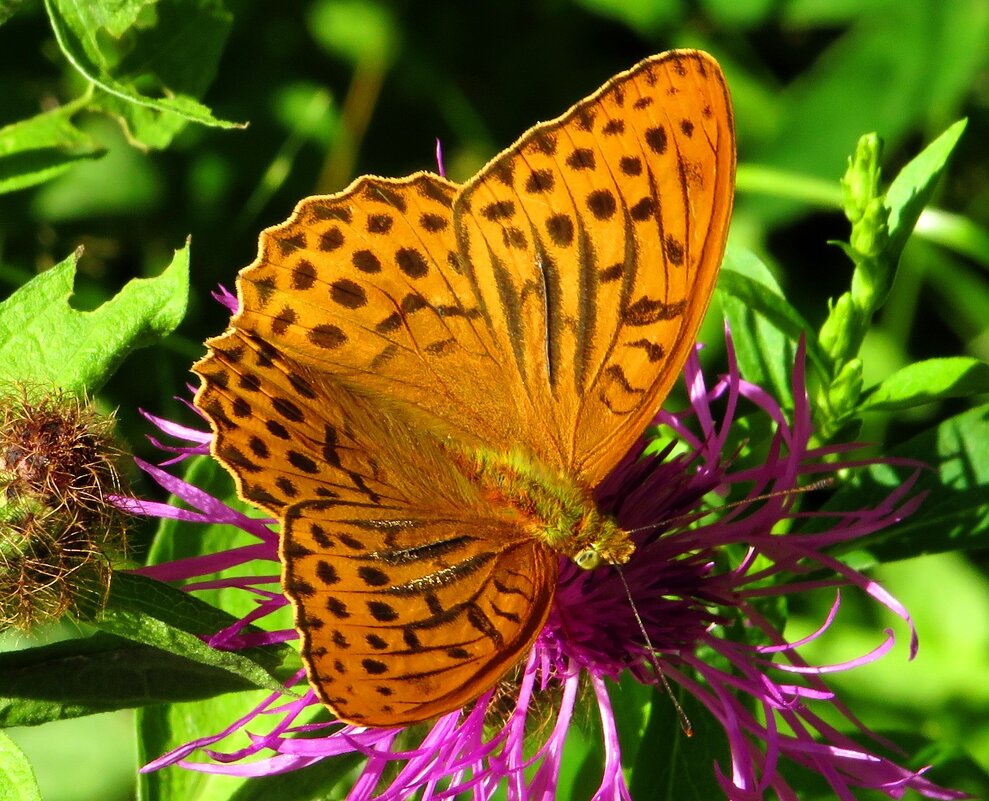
(551, 505)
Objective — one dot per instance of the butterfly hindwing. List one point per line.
(407, 617)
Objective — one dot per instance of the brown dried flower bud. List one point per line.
(59, 530)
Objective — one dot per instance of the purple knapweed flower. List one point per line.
(699, 582)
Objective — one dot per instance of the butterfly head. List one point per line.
(600, 540)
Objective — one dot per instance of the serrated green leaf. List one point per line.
(43, 340)
(17, 782)
(955, 513)
(118, 15)
(929, 381)
(38, 149)
(150, 56)
(766, 303)
(913, 186)
(765, 353)
(100, 673)
(144, 127)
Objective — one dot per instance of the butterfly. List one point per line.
(425, 382)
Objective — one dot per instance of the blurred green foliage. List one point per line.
(120, 131)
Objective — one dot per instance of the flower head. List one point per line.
(690, 603)
(59, 529)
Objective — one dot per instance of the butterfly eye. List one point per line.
(588, 559)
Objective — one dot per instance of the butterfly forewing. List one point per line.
(367, 286)
(278, 441)
(289, 434)
(594, 243)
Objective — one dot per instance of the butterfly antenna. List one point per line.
(822, 483)
(651, 650)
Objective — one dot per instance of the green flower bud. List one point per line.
(845, 390)
(873, 274)
(838, 335)
(860, 184)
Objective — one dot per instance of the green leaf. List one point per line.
(43, 340)
(749, 286)
(947, 767)
(912, 188)
(17, 782)
(144, 127)
(180, 539)
(955, 513)
(105, 672)
(929, 381)
(37, 149)
(156, 614)
(631, 703)
(101, 673)
(765, 353)
(673, 767)
(841, 84)
(964, 236)
(584, 750)
(124, 47)
(313, 783)
(123, 183)
(163, 728)
(8, 8)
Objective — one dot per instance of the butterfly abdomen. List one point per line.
(550, 505)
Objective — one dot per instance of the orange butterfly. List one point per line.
(426, 381)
